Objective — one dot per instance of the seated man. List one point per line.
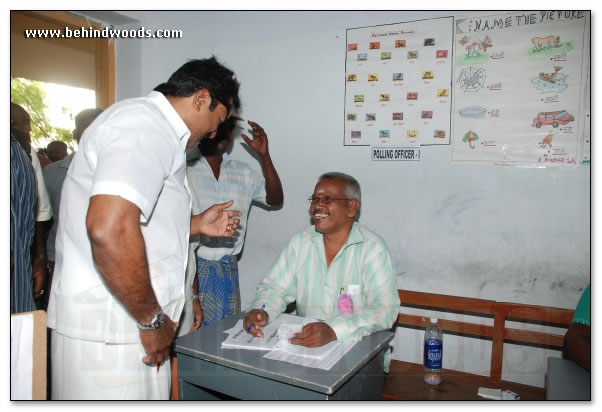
(577, 341)
(337, 271)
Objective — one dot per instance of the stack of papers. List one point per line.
(323, 357)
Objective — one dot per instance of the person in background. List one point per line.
(56, 151)
(212, 284)
(54, 176)
(122, 242)
(43, 157)
(20, 123)
(337, 271)
(577, 341)
(215, 177)
(23, 195)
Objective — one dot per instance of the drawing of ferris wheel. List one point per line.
(472, 79)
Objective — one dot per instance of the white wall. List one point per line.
(145, 63)
(492, 232)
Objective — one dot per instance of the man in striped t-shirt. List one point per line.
(337, 271)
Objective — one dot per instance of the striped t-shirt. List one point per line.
(363, 268)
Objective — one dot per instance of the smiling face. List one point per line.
(336, 216)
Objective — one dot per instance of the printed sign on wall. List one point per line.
(398, 80)
(520, 88)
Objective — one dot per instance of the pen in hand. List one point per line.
(263, 314)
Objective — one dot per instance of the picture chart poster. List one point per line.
(520, 88)
(398, 84)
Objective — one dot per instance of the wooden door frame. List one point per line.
(104, 59)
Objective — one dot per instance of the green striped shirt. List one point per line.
(363, 267)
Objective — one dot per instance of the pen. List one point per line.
(158, 366)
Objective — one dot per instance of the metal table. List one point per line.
(206, 372)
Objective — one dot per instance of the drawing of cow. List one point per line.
(548, 41)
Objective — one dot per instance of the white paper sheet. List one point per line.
(323, 357)
(238, 338)
(314, 353)
(339, 350)
(21, 357)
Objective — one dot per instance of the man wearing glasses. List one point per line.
(121, 251)
(337, 271)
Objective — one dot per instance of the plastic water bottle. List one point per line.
(433, 353)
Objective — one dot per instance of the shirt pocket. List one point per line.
(355, 291)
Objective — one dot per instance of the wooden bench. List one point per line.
(405, 379)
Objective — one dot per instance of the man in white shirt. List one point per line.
(121, 250)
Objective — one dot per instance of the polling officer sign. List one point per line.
(395, 153)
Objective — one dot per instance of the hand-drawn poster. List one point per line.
(519, 88)
(398, 80)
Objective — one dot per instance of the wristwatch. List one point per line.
(155, 324)
(196, 297)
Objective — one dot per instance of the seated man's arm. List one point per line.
(381, 306)
(577, 344)
(277, 288)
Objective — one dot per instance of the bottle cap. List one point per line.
(433, 320)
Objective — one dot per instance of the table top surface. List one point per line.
(205, 344)
(406, 382)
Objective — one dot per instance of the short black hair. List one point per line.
(24, 117)
(200, 74)
(85, 116)
(56, 150)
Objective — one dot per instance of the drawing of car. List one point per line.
(553, 118)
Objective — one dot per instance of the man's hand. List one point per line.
(258, 319)
(215, 221)
(260, 140)
(157, 343)
(314, 335)
(40, 276)
(197, 311)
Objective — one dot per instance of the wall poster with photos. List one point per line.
(398, 84)
(521, 89)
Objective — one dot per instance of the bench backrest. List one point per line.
(498, 332)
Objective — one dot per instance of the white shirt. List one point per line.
(136, 150)
(44, 211)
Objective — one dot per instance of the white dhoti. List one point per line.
(90, 370)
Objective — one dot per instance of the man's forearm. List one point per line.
(39, 260)
(273, 186)
(125, 271)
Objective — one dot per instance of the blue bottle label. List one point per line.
(433, 353)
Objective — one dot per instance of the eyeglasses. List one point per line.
(324, 199)
(229, 107)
